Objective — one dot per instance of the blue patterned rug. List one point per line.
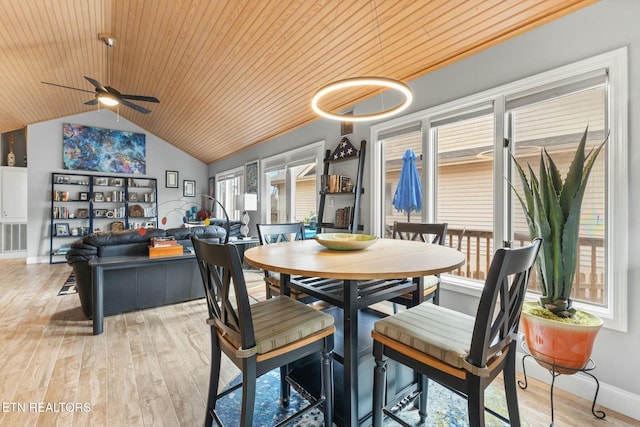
(69, 286)
(445, 408)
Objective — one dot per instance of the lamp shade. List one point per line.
(247, 202)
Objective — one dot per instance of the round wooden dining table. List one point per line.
(385, 259)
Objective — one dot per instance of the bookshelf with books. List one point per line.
(341, 188)
(83, 203)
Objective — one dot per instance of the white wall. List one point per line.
(601, 27)
(44, 154)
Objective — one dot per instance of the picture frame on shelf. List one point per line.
(251, 171)
(83, 196)
(82, 213)
(101, 181)
(100, 213)
(171, 179)
(189, 188)
(117, 182)
(62, 229)
(98, 196)
(133, 197)
(63, 179)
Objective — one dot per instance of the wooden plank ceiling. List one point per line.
(234, 73)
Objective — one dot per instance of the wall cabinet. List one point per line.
(83, 204)
(341, 188)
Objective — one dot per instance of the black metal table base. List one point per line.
(554, 371)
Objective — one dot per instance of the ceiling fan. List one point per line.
(107, 95)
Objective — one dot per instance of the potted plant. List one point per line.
(556, 333)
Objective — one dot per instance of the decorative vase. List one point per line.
(565, 346)
(11, 157)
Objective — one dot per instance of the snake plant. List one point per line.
(552, 209)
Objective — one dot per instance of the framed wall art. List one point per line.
(103, 150)
(189, 188)
(171, 179)
(251, 171)
(212, 186)
(346, 128)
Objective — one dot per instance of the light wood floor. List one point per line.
(148, 368)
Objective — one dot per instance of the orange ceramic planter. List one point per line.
(564, 345)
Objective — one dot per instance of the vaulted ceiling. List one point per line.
(234, 73)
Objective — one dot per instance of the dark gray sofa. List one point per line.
(131, 289)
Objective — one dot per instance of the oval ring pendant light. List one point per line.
(362, 81)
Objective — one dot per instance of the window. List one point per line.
(394, 146)
(556, 124)
(466, 171)
(228, 185)
(290, 181)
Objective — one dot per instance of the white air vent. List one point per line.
(14, 237)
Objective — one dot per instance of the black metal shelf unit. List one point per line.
(351, 194)
(82, 204)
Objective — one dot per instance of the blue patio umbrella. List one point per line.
(408, 196)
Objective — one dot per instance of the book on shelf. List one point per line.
(62, 250)
(335, 184)
(61, 196)
(343, 217)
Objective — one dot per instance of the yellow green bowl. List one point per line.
(345, 241)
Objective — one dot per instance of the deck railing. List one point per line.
(478, 247)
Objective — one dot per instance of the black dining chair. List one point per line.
(422, 232)
(259, 337)
(461, 352)
(276, 233)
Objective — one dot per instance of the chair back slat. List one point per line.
(276, 233)
(501, 301)
(225, 290)
(420, 231)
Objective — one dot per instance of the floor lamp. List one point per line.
(246, 203)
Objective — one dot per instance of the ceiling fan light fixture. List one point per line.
(382, 82)
(108, 100)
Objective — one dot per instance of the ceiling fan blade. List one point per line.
(92, 102)
(135, 107)
(140, 98)
(96, 83)
(67, 87)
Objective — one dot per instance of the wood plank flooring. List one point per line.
(149, 368)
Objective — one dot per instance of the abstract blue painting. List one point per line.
(103, 150)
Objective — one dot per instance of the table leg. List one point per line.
(284, 284)
(97, 301)
(350, 353)
(285, 388)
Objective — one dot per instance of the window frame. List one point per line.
(615, 311)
